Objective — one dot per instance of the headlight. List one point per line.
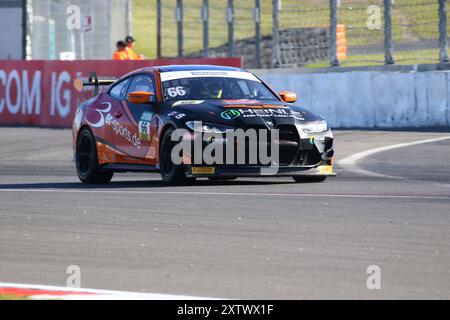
(316, 127)
(199, 126)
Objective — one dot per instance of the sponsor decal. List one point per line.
(209, 73)
(187, 102)
(266, 106)
(314, 139)
(270, 124)
(175, 75)
(216, 140)
(188, 136)
(243, 102)
(147, 116)
(230, 114)
(275, 106)
(144, 126)
(122, 131)
(203, 170)
(108, 119)
(101, 114)
(119, 129)
(177, 115)
(275, 113)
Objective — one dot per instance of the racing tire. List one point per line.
(171, 173)
(86, 159)
(311, 179)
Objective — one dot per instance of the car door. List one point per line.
(132, 134)
(100, 119)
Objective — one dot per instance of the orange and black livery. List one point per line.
(130, 125)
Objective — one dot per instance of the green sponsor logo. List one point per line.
(230, 114)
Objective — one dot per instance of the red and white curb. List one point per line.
(37, 292)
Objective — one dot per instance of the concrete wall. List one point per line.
(370, 99)
(11, 38)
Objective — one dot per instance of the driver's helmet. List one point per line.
(214, 88)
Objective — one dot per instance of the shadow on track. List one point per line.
(134, 184)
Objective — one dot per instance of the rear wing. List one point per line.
(92, 81)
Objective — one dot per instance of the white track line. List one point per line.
(92, 294)
(351, 163)
(233, 194)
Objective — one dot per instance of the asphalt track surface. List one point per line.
(253, 239)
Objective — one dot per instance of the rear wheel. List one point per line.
(86, 158)
(171, 173)
(311, 179)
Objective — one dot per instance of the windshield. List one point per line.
(239, 85)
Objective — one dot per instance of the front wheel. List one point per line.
(86, 159)
(311, 179)
(171, 173)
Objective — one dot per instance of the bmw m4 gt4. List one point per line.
(189, 122)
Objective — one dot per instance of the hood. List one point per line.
(244, 113)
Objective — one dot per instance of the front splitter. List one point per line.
(258, 171)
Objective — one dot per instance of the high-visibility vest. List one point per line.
(121, 55)
(132, 55)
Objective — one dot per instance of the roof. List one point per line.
(196, 67)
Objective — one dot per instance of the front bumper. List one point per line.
(298, 155)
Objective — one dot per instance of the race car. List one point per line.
(197, 121)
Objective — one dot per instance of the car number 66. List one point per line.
(175, 92)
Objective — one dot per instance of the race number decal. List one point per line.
(144, 126)
(176, 92)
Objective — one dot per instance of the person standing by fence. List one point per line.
(121, 53)
(129, 40)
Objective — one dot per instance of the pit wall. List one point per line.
(370, 99)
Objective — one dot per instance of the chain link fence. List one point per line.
(416, 31)
(266, 33)
(312, 33)
(303, 32)
(363, 23)
(75, 29)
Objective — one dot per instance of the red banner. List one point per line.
(41, 93)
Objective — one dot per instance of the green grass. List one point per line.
(9, 297)
(414, 20)
(144, 27)
(405, 57)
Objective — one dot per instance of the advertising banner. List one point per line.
(41, 93)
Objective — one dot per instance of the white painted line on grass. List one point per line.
(351, 163)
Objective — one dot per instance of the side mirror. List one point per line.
(140, 97)
(288, 96)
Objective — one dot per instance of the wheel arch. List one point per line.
(163, 132)
(82, 128)
(85, 126)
